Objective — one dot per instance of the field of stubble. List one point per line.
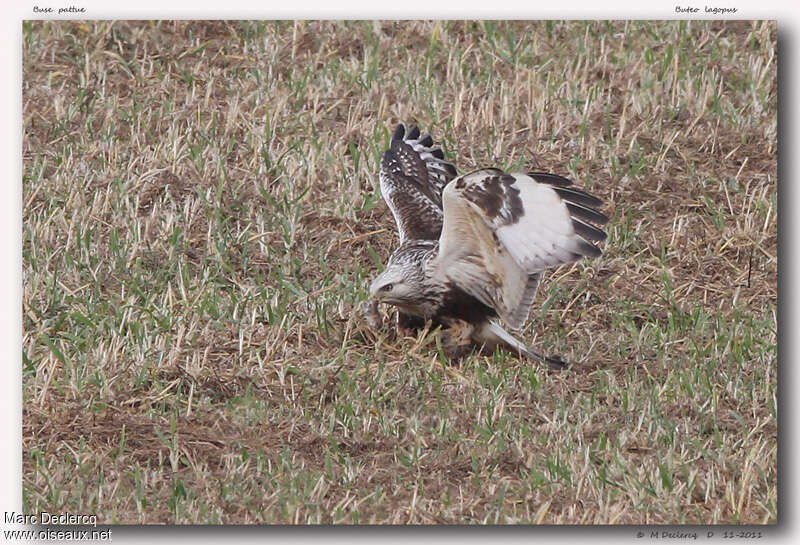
(201, 219)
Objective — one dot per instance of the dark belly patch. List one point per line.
(460, 305)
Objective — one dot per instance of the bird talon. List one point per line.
(457, 340)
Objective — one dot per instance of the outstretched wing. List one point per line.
(501, 230)
(413, 174)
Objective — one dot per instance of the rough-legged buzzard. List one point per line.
(473, 247)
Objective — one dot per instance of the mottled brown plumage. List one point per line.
(473, 247)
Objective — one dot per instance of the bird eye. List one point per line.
(387, 287)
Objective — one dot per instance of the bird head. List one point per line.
(392, 286)
(403, 283)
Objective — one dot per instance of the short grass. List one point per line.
(201, 220)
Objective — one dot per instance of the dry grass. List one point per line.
(201, 220)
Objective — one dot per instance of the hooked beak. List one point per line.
(379, 298)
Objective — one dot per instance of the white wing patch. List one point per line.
(501, 230)
(544, 236)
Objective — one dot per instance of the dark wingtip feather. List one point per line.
(438, 153)
(588, 250)
(399, 132)
(588, 231)
(413, 133)
(585, 213)
(578, 197)
(427, 141)
(551, 179)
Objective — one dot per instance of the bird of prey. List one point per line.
(473, 247)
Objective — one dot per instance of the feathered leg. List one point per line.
(457, 339)
(491, 334)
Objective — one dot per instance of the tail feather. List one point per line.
(491, 334)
